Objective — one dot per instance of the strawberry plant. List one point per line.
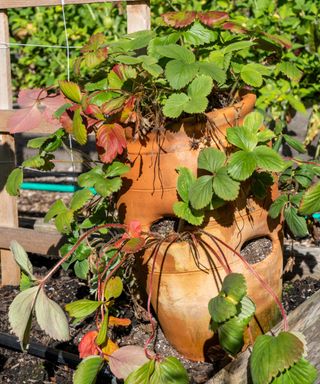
(143, 82)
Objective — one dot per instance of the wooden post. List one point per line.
(10, 273)
(138, 16)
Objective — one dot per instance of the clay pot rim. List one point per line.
(244, 105)
(276, 245)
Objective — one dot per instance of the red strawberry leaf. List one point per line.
(27, 97)
(37, 107)
(128, 115)
(233, 27)
(126, 360)
(179, 19)
(121, 322)
(110, 142)
(113, 106)
(87, 346)
(134, 228)
(281, 40)
(211, 18)
(133, 245)
(96, 51)
(71, 90)
(78, 128)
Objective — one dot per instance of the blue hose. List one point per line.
(53, 187)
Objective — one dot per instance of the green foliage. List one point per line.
(231, 312)
(87, 370)
(170, 371)
(14, 181)
(183, 208)
(82, 308)
(279, 359)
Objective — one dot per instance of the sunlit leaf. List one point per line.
(179, 19)
(87, 346)
(71, 90)
(82, 308)
(310, 202)
(272, 355)
(212, 18)
(113, 288)
(51, 317)
(126, 360)
(221, 309)
(20, 314)
(21, 258)
(87, 370)
(110, 141)
(14, 182)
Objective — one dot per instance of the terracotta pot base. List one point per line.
(183, 285)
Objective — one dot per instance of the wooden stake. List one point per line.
(10, 272)
(138, 16)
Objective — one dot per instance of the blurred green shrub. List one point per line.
(35, 66)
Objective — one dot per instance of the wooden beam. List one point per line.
(10, 272)
(44, 243)
(138, 16)
(5, 4)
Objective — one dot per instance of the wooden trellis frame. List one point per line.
(138, 18)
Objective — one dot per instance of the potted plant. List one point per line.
(175, 136)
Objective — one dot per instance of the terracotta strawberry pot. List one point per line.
(183, 285)
(149, 189)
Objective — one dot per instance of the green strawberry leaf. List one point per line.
(301, 372)
(201, 85)
(242, 137)
(175, 104)
(182, 210)
(268, 159)
(80, 198)
(14, 182)
(87, 371)
(242, 164)
(251, 76)
(310, 202)
(231, 335)
(295, 144)
(276, 207)
(169, 371)
(201, 192)
(71, 90)
(185, 180)
(234, 286)
(211, 159)
(225, 187)
(179, 73)
(221, 309)
(296, 223)
(78, 128)
(272, 355)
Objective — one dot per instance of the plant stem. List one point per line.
(73, 249)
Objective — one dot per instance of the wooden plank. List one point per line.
(5, 4)
(138, 16)
(44, 243)
(10, 272)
